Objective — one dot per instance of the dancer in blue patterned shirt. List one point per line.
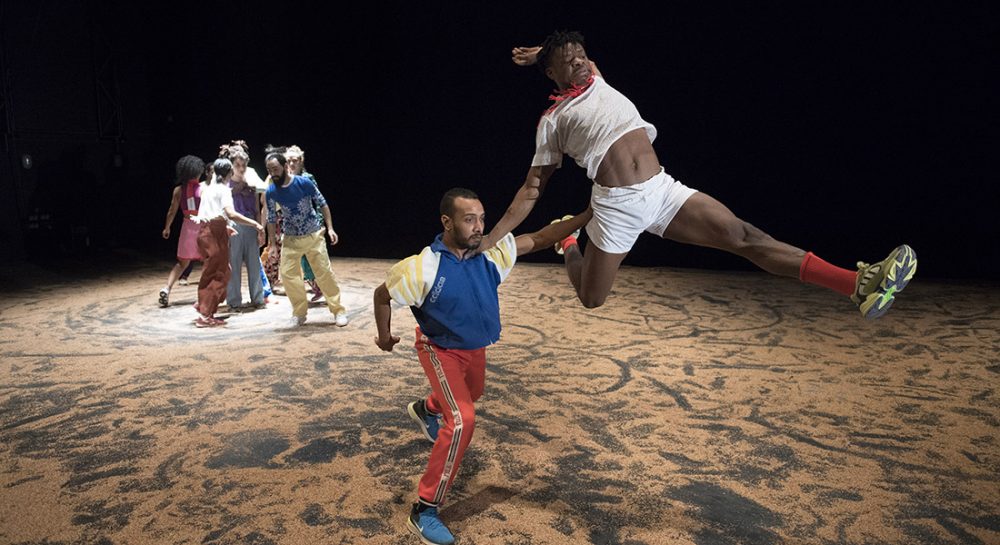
(302, 236)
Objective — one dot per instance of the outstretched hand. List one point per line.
(525, 56)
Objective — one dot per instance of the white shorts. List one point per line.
(622, 213)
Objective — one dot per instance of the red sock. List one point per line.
(816, 271)
(567, 242)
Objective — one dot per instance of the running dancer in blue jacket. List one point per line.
(452, 291)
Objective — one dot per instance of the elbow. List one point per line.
(381, 295)
(538, 242)
(532, 190)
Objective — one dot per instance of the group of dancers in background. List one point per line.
(225, 205)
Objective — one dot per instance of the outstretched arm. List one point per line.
(551, 233)
(524, 201)
(232, 214)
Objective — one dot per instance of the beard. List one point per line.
(473, 242)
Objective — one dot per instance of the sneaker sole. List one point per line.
(901, 271)
(420, 421)
(164, 302)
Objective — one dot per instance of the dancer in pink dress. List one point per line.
(186, 198)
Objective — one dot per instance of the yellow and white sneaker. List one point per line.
(878, 283)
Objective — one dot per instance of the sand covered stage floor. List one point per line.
(694, 408)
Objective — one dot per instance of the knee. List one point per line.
(742, 235)
(592, 301)
(468, 419)
(591, 295)
(753, 236)
(475, 394)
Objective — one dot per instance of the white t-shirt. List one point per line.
(215, 198)
(253, 180)
(584, 127)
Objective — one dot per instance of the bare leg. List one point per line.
(592, 274)
(574, 266)
(187, 271)
(175, 273)
(704, 221)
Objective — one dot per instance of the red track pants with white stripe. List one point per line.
(456, 378)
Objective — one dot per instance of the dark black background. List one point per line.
(842, 128)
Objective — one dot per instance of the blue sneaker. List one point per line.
(429, 422)
(428, 527)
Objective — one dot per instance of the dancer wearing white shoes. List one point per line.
(303, 236)
(296, 158)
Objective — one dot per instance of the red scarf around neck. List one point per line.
(558, 96)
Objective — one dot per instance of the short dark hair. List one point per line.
(222, 168)
(189, 167)
(277, 156)
(448, 201)
(554, 41)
